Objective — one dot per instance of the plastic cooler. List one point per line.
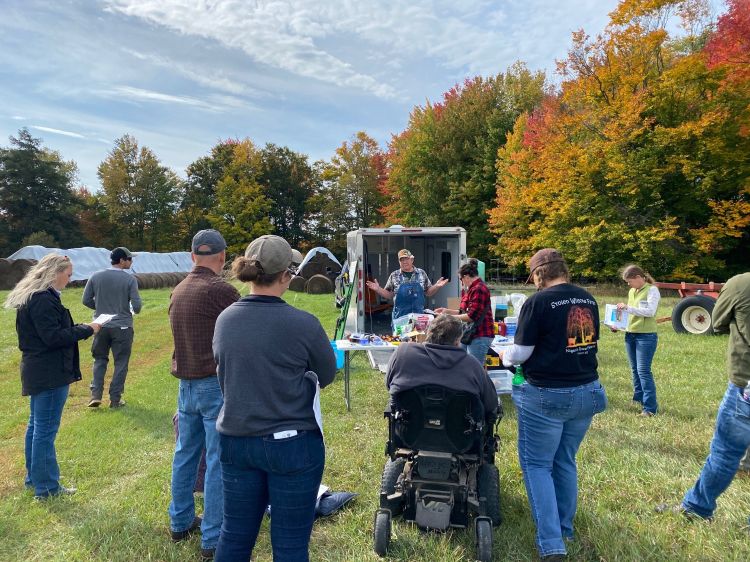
(502, 379)
(339, 355)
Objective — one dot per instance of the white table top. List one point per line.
(346, 345)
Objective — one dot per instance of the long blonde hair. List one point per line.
(39, 278)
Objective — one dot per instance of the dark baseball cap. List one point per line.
(120, 253)
(211, 238)
(543, 257)
(273, 253)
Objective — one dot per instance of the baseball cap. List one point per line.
(119, 253)
(543, 257)
(273, 253)
(211, 238)
(405, 254)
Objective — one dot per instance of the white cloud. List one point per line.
(139, 94)
(217, 80)
(58, 132)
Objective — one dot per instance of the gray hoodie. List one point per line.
(415, 364)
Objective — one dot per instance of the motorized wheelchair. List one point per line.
(440, 472)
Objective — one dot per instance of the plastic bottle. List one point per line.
(518, 378)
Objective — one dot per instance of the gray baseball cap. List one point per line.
(273, 253)
(211, 238)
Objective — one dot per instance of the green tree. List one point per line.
(242, 208)
(36, 194)
(141, 195)
(289, 182)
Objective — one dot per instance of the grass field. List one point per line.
(120, 462)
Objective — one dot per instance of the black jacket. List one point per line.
(48, 341)
(415, 364)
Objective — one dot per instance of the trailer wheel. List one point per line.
(692, 315)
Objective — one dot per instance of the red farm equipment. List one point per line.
(692, 314)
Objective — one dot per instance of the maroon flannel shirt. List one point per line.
(475, 301)
(194, 306)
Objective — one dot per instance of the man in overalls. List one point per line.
(407, 286)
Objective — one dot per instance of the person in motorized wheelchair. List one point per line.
(441, 441)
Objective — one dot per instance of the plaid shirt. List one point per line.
(475, 301)
(193, 308)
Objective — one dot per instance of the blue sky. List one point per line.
(180, 75)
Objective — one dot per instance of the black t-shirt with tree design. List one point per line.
(562, 323)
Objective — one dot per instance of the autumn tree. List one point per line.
(442, 167)
(640, 156)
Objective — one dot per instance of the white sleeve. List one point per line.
(652, 303)
(517, 354)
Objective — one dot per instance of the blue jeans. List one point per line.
(198, 405)
(42, 470)
(731, 439)
(551, 425)
(478, 349)
(641, 349)
(259, 471)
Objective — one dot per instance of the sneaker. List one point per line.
(680, 509)
(61, 491)
(178, 536)
(208, 553)
(95, 402)
(647, 414)
(117, 404)
(554, 557)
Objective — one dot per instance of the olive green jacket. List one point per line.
(732, 315)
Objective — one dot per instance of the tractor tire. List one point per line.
(692, 315)
(391, 472)
(488, 486)
(483, 530)
(381, 533)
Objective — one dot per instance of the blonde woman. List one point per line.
(640, 336)
(48, 341)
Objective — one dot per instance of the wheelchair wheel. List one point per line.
(391, 472)
(488, 485)
(381, 532)
(483, 529)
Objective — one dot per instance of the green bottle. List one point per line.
(518, 377)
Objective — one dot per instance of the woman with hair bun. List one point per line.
(475, 307)
(270, 359)
(48, 340)
(640, 336)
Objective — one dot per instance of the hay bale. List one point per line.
(319, 285)
(7, 279)
(297, 284)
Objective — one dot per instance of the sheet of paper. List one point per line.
(103, 318)
(617, 319)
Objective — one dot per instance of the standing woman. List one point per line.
(556, 343)
(475, 307)
(48, 341)
(271, 445)
(640, 336)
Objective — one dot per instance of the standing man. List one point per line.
(195, 304)
(732, 433)
(407, 286)
(112, 291)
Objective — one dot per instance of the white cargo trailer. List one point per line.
(372, 254)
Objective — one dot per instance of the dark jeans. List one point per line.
(42, 470)
(258, 471)
(121, 343)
